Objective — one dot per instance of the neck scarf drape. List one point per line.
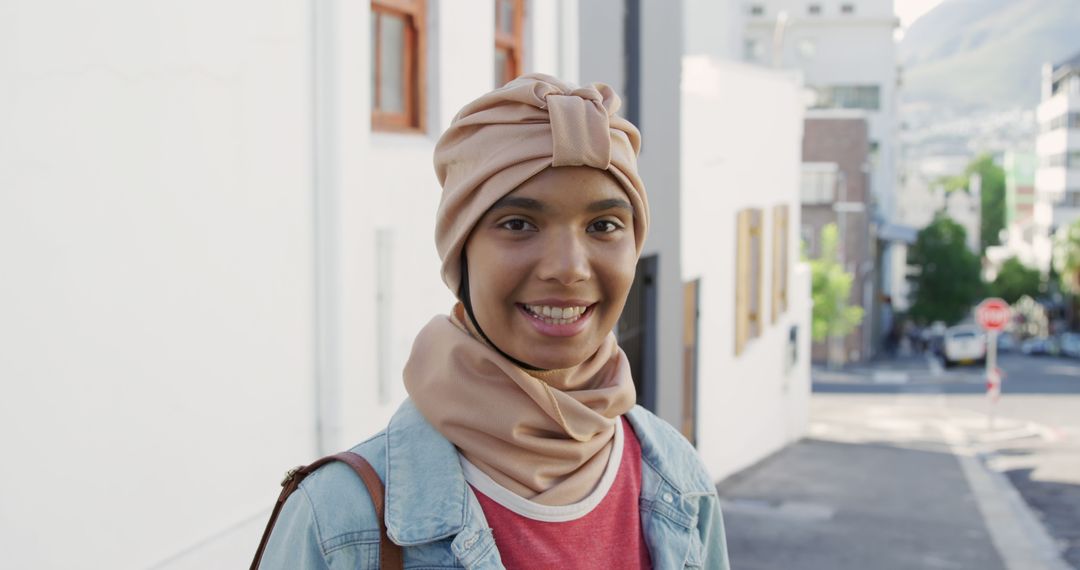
(545, 435)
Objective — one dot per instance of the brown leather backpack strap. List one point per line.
(390, 555)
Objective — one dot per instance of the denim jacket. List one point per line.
(330, 523)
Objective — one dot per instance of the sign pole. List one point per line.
(993, 379)
(993, 315)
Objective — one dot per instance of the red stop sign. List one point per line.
(993, 314)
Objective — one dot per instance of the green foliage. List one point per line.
(1016, 280)
(991, 197)
(948, 281)
(831, 289)
(1067, 257)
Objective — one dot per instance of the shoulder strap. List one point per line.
(390, 556)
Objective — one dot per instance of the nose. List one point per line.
(565, 258)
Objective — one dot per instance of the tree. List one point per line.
(831, 288)
(1067, 257)
(1016, 280)
(1066, 266)
(948, 280)
(991, 197)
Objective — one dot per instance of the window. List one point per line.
(397, 64)
(757, 10)
(847, 8)
(866, 97)
(780, 261)
(509, 18)
(1063, 121)
(748, 278)
(752, 50)
(819, 182)
(814, 9)
(1063, 160)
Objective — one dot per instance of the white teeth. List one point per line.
(557, 315)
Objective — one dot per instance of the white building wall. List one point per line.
(156, 309)
(741, 141)
(840, 49)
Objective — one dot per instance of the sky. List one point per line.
(909, 10)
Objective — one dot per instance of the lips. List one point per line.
(570, 320)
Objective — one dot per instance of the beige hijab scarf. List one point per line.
(544, 435)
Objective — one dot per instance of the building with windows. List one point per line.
(218, 247)
(835, 190)
(847, 55)
(1057, 180)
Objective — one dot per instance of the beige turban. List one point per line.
(509, 135)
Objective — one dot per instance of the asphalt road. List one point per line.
(1042, 394)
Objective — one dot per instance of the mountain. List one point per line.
(986, 55)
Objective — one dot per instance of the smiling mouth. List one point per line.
(557, 315)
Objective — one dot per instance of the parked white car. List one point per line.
(1070, 344)
(964, 344)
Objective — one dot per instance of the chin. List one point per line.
(554, 358)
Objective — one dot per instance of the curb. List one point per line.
(1021, 540)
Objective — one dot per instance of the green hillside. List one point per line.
(986, 54)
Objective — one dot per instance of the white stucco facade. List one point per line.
(1057, 179)
(752, 403)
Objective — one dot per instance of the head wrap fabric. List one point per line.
(511, 134)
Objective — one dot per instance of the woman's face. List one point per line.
(550, 265)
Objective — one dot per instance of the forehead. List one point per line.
(570, 184)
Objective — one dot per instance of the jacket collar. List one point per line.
(424, 481)
(666, 451)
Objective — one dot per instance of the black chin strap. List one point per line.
(463, 293)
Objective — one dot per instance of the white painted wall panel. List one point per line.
(741, 145)
(157, 301)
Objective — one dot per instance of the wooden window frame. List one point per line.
(412, 118)
(748, 270)
(781, 261)
(513, 43)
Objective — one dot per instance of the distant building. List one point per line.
(1025, 237)
(835, 190)
(1057, 180)
(847, 55)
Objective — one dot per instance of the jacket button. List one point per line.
(668, 497)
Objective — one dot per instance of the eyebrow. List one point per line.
(602, 205)
(518, 202)
(538, 206)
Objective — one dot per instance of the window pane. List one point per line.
(506, 16)
(500, 68)
(374, 63)
(392, 63)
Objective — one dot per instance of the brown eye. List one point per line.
(517, 225)
(603, 226)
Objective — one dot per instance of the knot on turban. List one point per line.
(497, 142)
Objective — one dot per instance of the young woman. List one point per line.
(520, 445)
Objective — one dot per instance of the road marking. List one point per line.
(1019, 537)
(889, 377)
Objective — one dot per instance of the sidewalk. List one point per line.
(883, 487)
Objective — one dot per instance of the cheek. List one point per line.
(619, 273)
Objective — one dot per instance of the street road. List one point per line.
(1035, 441)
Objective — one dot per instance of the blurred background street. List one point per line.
(898, 471)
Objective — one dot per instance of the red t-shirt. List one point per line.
(609, 536)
